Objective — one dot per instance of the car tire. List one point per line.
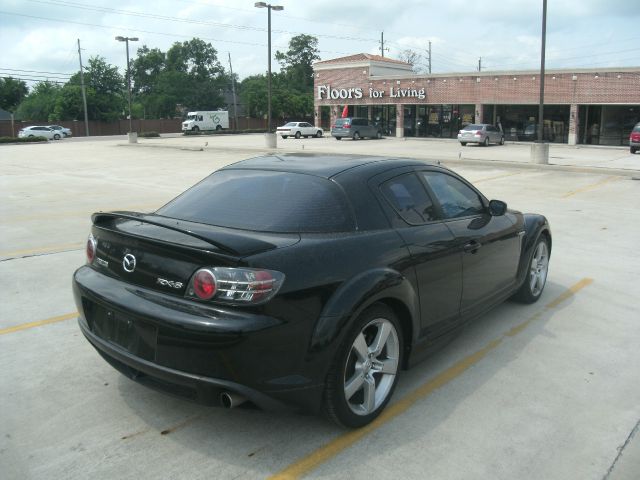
(338, 138)
(218, 128)
(56, 137)
(379, 135)
(464, 144)
(284, 136)
(633, 149)
(536, 278)
(319, 134)
(486, 142)
(195, 129)
(306, 136)
(297, 135)
(362, 378)
(501, 140)
(356, 136)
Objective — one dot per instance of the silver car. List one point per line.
(355, 128)
(481, 133)
(40, 131)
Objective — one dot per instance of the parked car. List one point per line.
(356, 128)
(530, 133)
(634, 139)
(65, 131)
(481, 133)
(303, 282)
(299, 129)
(40, 131)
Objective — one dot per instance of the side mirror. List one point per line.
(497, 208)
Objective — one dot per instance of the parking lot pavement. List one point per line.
(447, 150)
(547, 390)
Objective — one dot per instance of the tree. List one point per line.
(413, 58)
(297, 62)
(12, 92)
(40, 103)
(188, 74)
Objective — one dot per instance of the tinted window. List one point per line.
(304, 124)
(636, 128)
(264, 201)
(291, 124)
(409, 198)
(342, 121)
(473, 127)
(456, 198)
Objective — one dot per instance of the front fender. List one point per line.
(534, 226)
(357, 294)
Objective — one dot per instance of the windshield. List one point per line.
(191, 117)
(264, 201)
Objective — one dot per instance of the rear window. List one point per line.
(264, 201)
(342, 121)
(636, 128)
(473, 127)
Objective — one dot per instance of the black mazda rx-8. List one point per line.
(304, 281)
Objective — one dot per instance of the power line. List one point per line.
(150, 32)
(35, 71)
(81, 6)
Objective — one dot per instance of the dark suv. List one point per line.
(355, 128)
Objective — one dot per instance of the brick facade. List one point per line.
(350, 75)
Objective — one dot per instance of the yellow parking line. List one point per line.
(50, 249)
(25, 326)
(496, 177)
(593, 186)
(344, 441)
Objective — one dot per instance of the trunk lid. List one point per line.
(162, 253)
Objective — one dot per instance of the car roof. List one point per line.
(323, 165)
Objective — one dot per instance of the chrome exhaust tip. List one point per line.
(231, 400)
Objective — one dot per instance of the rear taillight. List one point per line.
(346, 125)
(235, 286)
(91, 248)
(478, 134)
(204, 284)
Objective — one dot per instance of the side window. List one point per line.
(456, 198)
(409, 198)
(305, 125)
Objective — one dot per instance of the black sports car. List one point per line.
(302, 280)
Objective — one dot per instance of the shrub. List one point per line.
(22, 140)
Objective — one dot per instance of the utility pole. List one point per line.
(480, 64)
(542, 52)
(233, 89)
(429, 57)
(382, 49)
(84, 93)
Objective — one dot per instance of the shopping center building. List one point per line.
(582, 106)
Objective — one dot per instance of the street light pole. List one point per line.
(269, 7)
(127, 40)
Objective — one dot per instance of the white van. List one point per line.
(201, 120)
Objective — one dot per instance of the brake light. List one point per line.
(235, 286)
(478, 133)
(91, 248)
(346, 125)
(204, 284)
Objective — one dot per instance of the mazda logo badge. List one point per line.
(129, 263)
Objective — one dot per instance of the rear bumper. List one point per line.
(195, 351)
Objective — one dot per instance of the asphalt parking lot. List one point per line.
(548, 390)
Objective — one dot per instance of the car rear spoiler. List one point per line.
(229, 241)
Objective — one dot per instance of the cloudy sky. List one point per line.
(39, 37)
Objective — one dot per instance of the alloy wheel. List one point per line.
(539, 268)
(371, 367)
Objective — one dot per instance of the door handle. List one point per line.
(472, 246)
